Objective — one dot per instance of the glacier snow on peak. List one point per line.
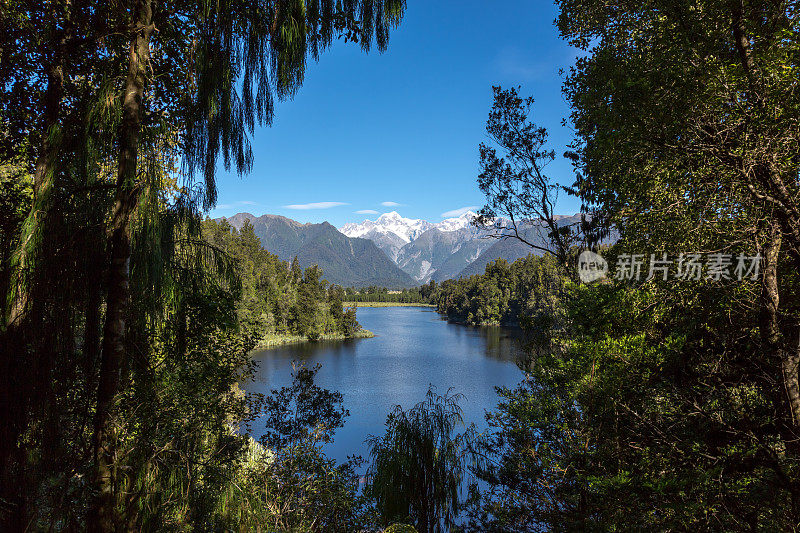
(407, 229)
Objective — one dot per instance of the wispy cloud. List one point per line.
(367, 212)
(234, 205)
(315, 205)
(458, 212)
(514, 63)
(390, 204)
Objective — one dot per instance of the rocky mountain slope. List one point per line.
(423, 249)
(352, 262)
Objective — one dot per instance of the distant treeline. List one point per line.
(416, 295)
(278, 297)
(521, 293)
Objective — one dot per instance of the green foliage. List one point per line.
(174, 428)
(648, 415)
(114, 109)
(669, 405)
(279, 298)
(298, 489)
(15, 200)
(289, 484)
(302, 411)
(418, 465)
(524, 293)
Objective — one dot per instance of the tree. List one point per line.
(670, 405)
(216, 122)
(708, 117)
(302, 411)
(109, 106)
(294, 486)
(417, 467)
(515, 183)
(350, 325)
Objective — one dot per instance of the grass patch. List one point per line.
(272, 340)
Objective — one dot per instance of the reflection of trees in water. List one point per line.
(274, 361)
(313, 350)
(503, 344)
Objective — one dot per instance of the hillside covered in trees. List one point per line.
(344, 260)
(279, 299)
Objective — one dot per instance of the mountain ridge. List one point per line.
(393, 251)
(347, 261)
(424, 250)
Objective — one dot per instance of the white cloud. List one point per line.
(234, 205)
(514, 63)
(367, 212)
(315, 205)
(458, 212)
(390, 204)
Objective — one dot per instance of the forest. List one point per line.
(662, 396)
(279, 301)
(127, 320)
(523, 293)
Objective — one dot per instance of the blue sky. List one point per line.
(400, 130)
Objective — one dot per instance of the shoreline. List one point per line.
(384, 304)
(274, 341)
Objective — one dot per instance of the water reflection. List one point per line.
(414, 348)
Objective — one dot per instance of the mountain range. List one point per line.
(350, 262)
(449, 249)
(391, 251)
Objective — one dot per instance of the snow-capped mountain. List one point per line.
(456, 223)
(350, 262)
(393, 251)
(425, 250)
(407, 229)
(390, 232)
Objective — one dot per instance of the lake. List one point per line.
(413, 347)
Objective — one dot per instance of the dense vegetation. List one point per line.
(668, 402)
(660, 403)
(279, 299)
(123, 329)
(418, 465)
(523, 293)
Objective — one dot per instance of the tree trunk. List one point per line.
(43, 180)
(16, 384)
(102, 513)
(784, 348)
(789, 218)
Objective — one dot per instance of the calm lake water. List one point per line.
(413, 347)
